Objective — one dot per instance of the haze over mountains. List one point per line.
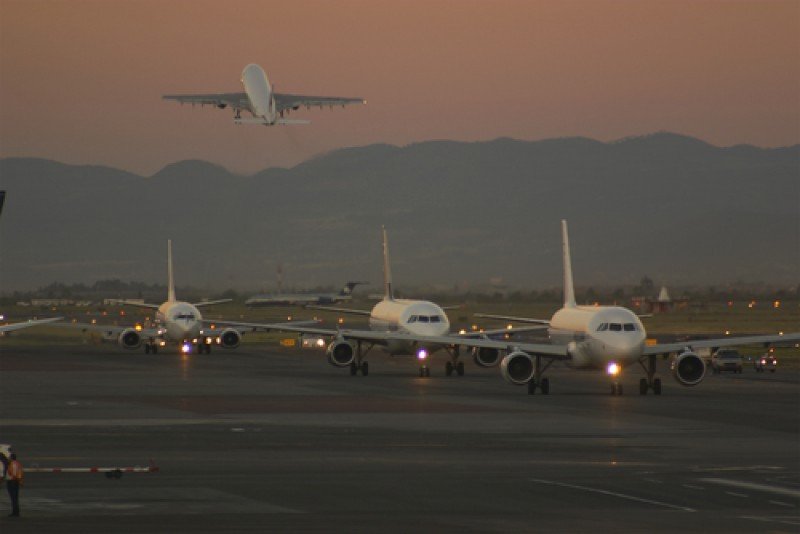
(668, 206)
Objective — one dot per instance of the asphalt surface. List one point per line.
(276, 440)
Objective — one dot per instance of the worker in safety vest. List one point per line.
(14, 476)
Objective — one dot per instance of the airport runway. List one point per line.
(276, 440)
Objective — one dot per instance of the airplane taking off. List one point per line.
(604, 337)
(267, 107)
(176, 322)
(401, 327)
(303, 299)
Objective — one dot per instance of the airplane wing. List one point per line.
(25, 324)
(542, 349)
(339, 310)
(503, 331)
(123, 302)
(285, 102)
(665, 348)
(111, 332)
(210, 302)
(234, 100)
(511, 318)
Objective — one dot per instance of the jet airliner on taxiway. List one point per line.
(402, 327)
(604, 337)
(303, 299)
(267, 107)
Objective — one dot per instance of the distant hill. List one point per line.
(672, 207)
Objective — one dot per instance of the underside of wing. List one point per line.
(665, 348)
(285, 102)
(339, 310)
(512, 318)
(220, 100)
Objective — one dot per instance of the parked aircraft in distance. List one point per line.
(27, 324)
(401, 327)
(605, 337)
(267, 107)
(303, 299)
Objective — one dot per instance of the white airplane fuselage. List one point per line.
(259, 93)
(415, 317)
(180, 321)
(598, 335)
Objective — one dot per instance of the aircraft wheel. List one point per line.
(146, 348)
(364, 369)
(421, 371)
(353, 368)
(448, 368)
(427, 371)
(154, 349)
(460, 368)
(642, 386)
(532, 387)
(545, 386)
(657, 386)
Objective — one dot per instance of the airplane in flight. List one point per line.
(303, 299)
(267, 107)
(402, 327)
(604, 337)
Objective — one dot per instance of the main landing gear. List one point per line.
(150, 347)
(453, 364)
(538, 381)
(203, 347)
(650, 382)
(424, 370)
(359, 364)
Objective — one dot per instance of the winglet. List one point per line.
(170, 279)
(388, 294)
(569, 288)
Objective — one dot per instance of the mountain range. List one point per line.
(672, 207)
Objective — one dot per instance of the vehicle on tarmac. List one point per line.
(726, 360)
(765, 362)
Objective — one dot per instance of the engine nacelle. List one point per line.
(688, 368)
(229, 338)
(341, 353)
(130, 339)
(517, 368)
(485, 356)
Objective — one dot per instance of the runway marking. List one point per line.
(736, 494)
(692, 486)
(739, 468)
(614, 494)
(784, 520)
(753, 486)
(653, 480)
(781, 503)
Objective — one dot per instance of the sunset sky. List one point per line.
(81, 80)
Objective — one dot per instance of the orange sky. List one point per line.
(81, 80)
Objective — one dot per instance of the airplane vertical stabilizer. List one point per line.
(569, 288)
(388, 293)
(170, 279)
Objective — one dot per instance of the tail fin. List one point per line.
(170, 279)
(388, 293)
(348, 288)
(569, 288)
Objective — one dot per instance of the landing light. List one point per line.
(613, 369)
(462, 331)
(185, 348)
(341, 320)
(509, 326)
(138, 328)
(209, 341)
(422, 354)
(320, 342)
(162, 343)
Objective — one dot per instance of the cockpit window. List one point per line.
(436, 319)
(615, 327)
(186, 316)
(629, 327)
(423, 318)
(412, 319)
(603, 327)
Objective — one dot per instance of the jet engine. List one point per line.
(688, 368)
(229, 338)
(341, 353)
(130, 339)
(517, 368)
(485, 356)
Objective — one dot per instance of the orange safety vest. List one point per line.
(14, 471)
